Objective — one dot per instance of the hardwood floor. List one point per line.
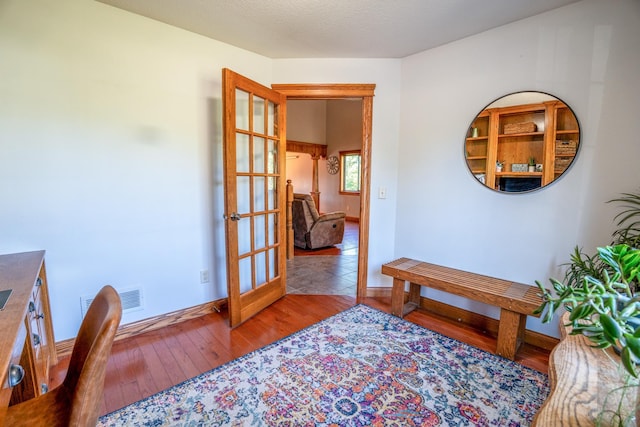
(146, 364)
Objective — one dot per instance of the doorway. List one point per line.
(363, 92)
(334, 126)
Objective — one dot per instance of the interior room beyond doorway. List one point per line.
(328, 271)
(337, 124)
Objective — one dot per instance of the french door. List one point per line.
(254, 155)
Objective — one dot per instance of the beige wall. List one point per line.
(344, 132)
(336, 123)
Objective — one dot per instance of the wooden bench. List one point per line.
(516, 300)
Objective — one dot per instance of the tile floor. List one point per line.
(316, 272)
(322, 274)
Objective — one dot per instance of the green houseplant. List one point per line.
(600, 292)
(606, 311)
(532, 164)
(603, 308)
(627, 232)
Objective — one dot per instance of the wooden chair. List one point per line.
(77, 401)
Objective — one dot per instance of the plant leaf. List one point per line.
(610, 326)
(627, 362)
(633, 343)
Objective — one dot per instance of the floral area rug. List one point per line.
(361, 367)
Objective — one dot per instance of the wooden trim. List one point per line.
(352, 219)
(365, 196)
(313, 149)
(65, 347)
(290, 237)
(477, 321)
(342, 155)
(474, 320)
(539, 340)
(487, 324)
(325, 91)
(378, 292)
(365, 91)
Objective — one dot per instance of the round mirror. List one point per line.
(522, 142)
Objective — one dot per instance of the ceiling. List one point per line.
(337, 28)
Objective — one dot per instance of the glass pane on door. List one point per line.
(261, 269)
(246, 282)
(259, 231)
(258, 194)
(258, 154)
(271, 119)
(244, 194)
(242, 109)
(272, 231)
(258, 115)
(272, 194)
(242, 152)
(273, 264)
(244, 236)
(272, 159)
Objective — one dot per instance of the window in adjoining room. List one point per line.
(350, 172)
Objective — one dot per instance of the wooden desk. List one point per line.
(581, 377)
(26, 331)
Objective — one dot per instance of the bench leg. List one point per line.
(397, 297)
(510, 333)
(414, 294)
(398, 307)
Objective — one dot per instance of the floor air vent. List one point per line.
(131, 300)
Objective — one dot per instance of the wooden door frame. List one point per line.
(365, 92)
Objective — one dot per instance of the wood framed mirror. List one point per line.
(522, 142)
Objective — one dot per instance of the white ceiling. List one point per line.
(337, 28)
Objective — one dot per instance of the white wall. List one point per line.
(110, 152)
(110, 141)
(586, 54)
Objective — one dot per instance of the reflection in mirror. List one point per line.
(522, 142)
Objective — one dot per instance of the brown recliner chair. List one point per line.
(77, 401)
(312, 230)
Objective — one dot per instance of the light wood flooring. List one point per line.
(148, 363)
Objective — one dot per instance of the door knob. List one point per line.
(16, 374)
(235, 216)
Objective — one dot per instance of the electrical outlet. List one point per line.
(204, 276)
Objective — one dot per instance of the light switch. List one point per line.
(382, 193)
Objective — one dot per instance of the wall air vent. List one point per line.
(131, 300)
